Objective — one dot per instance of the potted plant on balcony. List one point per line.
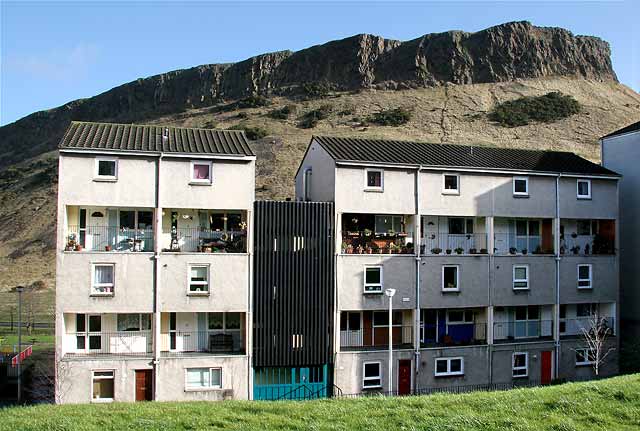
(368, 233)
(436, 250)
(349, 249)
(359, 250)
(587, 249)
(484, 251)
(107, 247)
(459, 250)
(78, 247)
(513, 250)
(343, 247)
(575, 249)
(409, 248)
(525, 251)
(538, 250)
(448, 251)
(473, 251)
(369, 249)
(374, 248)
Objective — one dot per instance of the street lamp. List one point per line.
(390, 293)
(19, 289)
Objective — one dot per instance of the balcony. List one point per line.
(583, 237)
(204, 231)
(377, 338)
(445, 243)
(108, 238)
(581, 326)
(376, 234)
(525, 330)
(523, 236)
(126, 343)
(452, 327)
(178, 343)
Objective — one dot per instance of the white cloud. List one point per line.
(58, 64)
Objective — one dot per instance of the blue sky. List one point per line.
(55, 52)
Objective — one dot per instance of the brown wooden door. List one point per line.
(404, 377)
(545, 373)
(144, 385)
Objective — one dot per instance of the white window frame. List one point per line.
(96, 174)
(201, 181)
(364, 280)
(526, 180)
(93, 377)
(589, 279)
(514, 369)
(457, 288)
(94, 291)
(585, 354)
(520, 280)
(588, 195)
(207, 283)
(307, 178)
(188, 388)
(449, 373)
(464, 320)
(446, 191)
(366, 177)
(378, 377)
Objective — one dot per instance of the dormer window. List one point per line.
(106, 169)
(374, 179)
(201, 172)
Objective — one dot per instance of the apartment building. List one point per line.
(154, 241)
(499, 259)
(620, 151)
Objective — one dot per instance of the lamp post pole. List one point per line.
(390, 293)
(19, 289)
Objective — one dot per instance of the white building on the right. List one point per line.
(621, 153)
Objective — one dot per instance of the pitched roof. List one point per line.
(635, 127)
(143, 138)
(458, 156)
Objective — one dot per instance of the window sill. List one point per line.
(449, 375)
(586, 288)
(198, 294)
(212, 389)
(105, 179)
(101, 295)
(584, 198)
(524, 376)
(372, 292)
(198, 183)
(364, 388)
(374, 190)
(450, 290)
(522, 289)
(101, 400)
(451, 192)
(520, 196)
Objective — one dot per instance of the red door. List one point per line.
(144, 385)
(404, 377)
(545, 374)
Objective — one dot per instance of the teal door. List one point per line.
(286, 383)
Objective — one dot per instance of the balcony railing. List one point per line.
(505, 243)
(584, 245)
(112, 343)
(459, 334)
(578, 326)
(368, 242)
(213, 341)
(522, 330)
(376, 338)
(207, 240)
(108, 238)
(444, 243)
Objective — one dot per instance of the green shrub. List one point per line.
(253, 133)
(316, 90)
(282, 113)
(551, 107)
(311, 118)
(391, 117)
(252, 102)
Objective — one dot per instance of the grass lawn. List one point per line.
(612, 404)
(39, 341)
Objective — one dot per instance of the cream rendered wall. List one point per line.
(323, 178)
(233, 185)
(77, 186)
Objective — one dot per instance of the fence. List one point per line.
(228, 341)
(207, 240)
(375, 338)
(445, 243)
(109, 238)
(517, 329)
(113, 343)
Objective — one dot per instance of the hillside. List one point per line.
(450, 81)
(612, 404)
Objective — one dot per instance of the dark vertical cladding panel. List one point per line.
(293, 284)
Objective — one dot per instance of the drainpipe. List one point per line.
(156, 283)
(416, 245)
(556, 323)
(249, 317)
(489, 329)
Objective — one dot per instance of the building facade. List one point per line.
(621, 152)
(153, 264)
(499, 260)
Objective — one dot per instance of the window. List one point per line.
(88, 332)
(450, 278)
(199, 279)
(459, 316)
(201, 172)
(520, 364)
(451, 184)
(520, 186)
(134, 322)
(350, 321)
(586, 227)
(584, 356)
(520, 277)
(584, 189)
(586, 310)
(102, 386)
(308, 174)
(102, 279)
(203, 378)
(381, 319)
(373, 279)
(388, 224)
(449, 367)
(373, 179)
(584, 276)
(563, 319)
(527, 322)
(460, 226)
(371, 375)
(106, 169)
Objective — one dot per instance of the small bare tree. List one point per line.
(595, 334)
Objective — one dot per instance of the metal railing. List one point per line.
(584, 245)
(444, 243)
(522, 330)
(576, 326)
(459, 334)
(206, 240)
(376, 338)
(368, 242)
(213, 341)
(506, 243)
(108, 238)
(112, 343)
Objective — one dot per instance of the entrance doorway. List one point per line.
(546, 362)
(404, 377)
(144, 385)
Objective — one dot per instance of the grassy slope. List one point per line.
(612, 404)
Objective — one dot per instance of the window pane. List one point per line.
(103, 274)
(451, 182)
(580, 355)
(469, 226)
(354, 321)
(583, 188)
(583, 272)
(534, 228)
(521, 227)
(215, 321)
(372, 370)
(234, 221)
(372, 275)
(584, 227)
(95, 342)
(80, 323)
(95, 323)
(450, 277)
(520, 273)
(563, 311)
(380, 318)
(396, 318)
(374, 179)
(519, 360)
(441, 366)
(521, 313)
(232, 321)
(520, 186)
(198, 377)
(103, 388)
(200, 171)
(107, 168)
(456, 365)
(456, 316)
(128, 322)
(80, 342)
(216, 377)
(127, 219)
(146, 321)
(198, 273)
(216, 221)
(145, 219)
(456, 226)
(533, 312)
